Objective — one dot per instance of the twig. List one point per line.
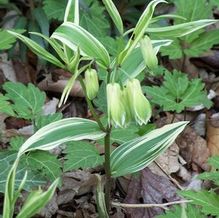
(175, 182)
(164, 205)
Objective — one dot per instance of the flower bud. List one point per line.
(91, 83)
(139, 105)
(148, 53)
(115, 106)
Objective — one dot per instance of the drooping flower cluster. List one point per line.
(127, 104)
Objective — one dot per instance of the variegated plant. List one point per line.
(125, 101)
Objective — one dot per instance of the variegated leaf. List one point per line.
(65, 130)
(136, 154)
(75, 36)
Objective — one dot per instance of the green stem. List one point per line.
(107, 170)
(90, 105)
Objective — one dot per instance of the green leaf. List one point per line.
(5, 106)
(119, 135)
(81, 155)
(44, 120)
(44, 163)
(55, 9)
(193, 10)
(92, 16)
(176, 211)
(100, 101)
(136, 154)
(37, 49)
(177, 92)
(114, 14)
(42, 20)
(27, 100)
(208, 201)
(174, 50)
(7, 40)
(93, 19)
(203, 43)
(16, 142)
(65, 130)
(37, 200)
(6, 161)
(215, 2)
(75, 36)
(213, 175)
(4, 1)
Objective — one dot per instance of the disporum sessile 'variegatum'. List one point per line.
(127, 103)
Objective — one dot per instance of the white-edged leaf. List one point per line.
(81, 155)
(136, 154)
(114, 14)
(180, 29)
(37, 49)
(55, 45)
(169, 16)
(37, 200)
(139, 30)
(100, 198)
(65, 130)
(75, 36)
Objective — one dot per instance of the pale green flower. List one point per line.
(115, 105)
(148, 52)
(92, 83)
(139, 105)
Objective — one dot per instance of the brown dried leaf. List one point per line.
(193, 149)
(75, 183)
(213, 134)
(149, 188)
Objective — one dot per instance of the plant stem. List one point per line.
(90, 105)
(107, 169)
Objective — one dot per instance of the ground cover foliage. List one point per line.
(103, 114)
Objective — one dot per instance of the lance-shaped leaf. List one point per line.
(75, 36)
(165, 16)
(136, 154)
(180, 29)
(114, 14)
(54, 44)
(65, 130)
(139, 30)
(37, 49)
(37, 200)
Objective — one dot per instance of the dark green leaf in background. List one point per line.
(208, 201)
(44, 163)
(27, 100)
(176, 212)
(7, 159)
(178, 92)
(43, 120)
(81, 155)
